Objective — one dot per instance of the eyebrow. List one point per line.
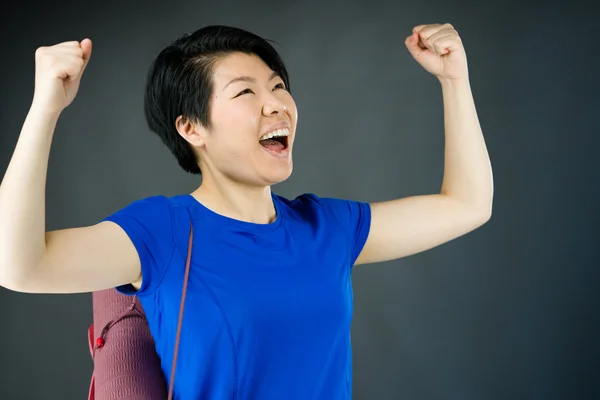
(248, 79)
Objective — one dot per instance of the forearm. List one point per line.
(23, 197)
(467, 169)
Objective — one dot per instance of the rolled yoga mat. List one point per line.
(126, 365)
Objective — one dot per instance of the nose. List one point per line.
(274, 107)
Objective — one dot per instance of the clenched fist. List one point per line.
(58, 71)
(439, 49)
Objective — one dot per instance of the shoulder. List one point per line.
(331, 204)
(148, 204)
(347, 220)
(145, 205)
(152, 214)
(150, 224)
(341, 210)
(308, 200)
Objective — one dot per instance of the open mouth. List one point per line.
(276, 141)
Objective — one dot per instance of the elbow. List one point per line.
(481, 207)
(483, 214)
(12, 281)
(19, 269)
(488, 205)
(15, 277)
(476, 214)
(485, 217)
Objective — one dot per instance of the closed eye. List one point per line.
(245, 91)
(248, 91)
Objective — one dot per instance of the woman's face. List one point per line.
(249, 102)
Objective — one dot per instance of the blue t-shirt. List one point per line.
(268, 306)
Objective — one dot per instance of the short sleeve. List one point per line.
(149, 225)
(353, 216)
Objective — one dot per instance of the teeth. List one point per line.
(276, 133)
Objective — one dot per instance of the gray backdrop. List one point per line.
(506, 312)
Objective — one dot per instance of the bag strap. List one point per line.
(179, 322)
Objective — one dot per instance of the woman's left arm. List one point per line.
(410, 225)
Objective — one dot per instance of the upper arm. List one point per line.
(131, 246)
(84, 259)
(403, 227)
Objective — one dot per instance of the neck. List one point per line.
(237, 201)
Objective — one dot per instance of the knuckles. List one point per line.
(52, 56)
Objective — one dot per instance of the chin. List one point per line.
(278, 176)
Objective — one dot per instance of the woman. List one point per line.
(269, 301)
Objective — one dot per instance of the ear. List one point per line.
(193, 132)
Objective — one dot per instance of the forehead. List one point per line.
(236, 65)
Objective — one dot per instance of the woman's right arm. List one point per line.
(69, 260)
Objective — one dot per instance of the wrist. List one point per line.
(42, 110)
(454, 83)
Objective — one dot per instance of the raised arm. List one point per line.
(410, 225)
(65, 261)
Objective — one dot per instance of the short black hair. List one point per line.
(179, 82)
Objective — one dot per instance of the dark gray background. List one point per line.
(506, 312)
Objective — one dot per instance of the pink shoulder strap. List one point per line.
(179, 322)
